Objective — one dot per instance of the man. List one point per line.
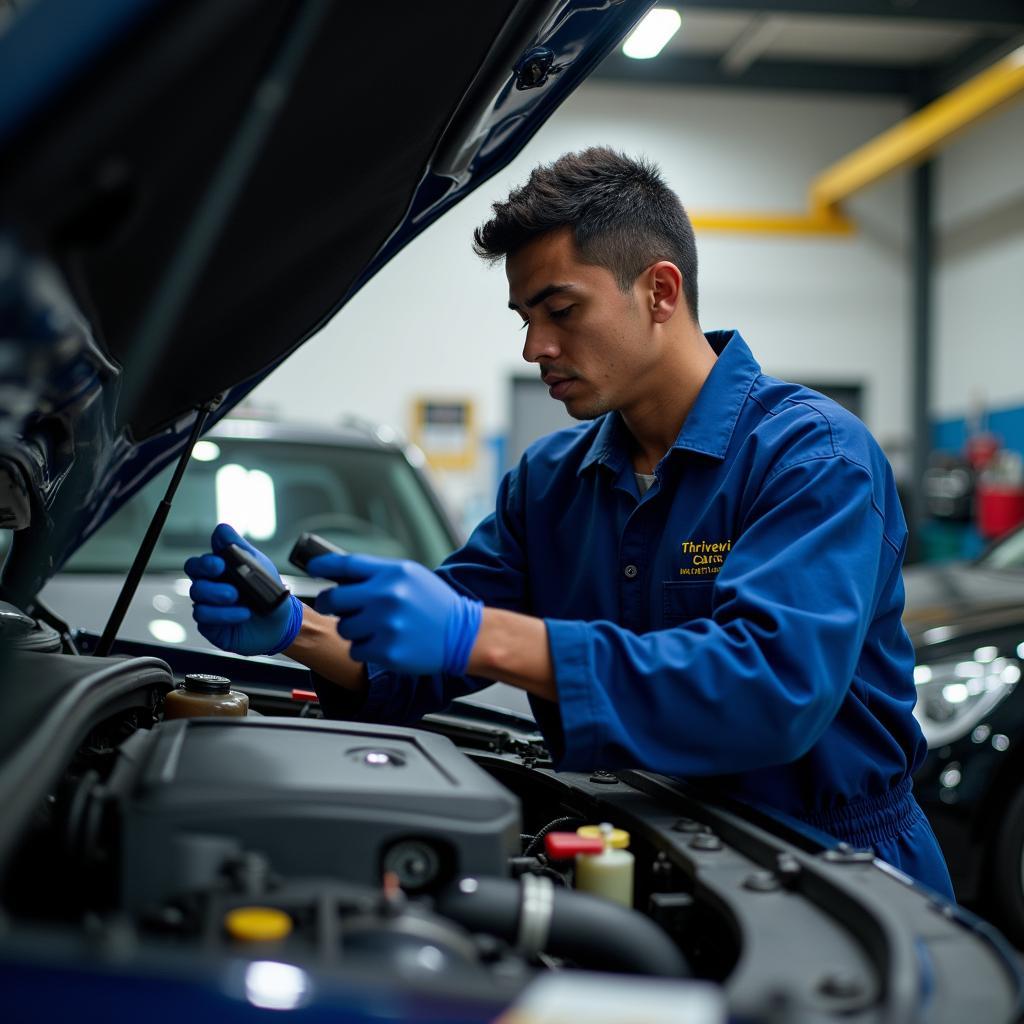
(702, 579)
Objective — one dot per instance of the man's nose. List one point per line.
(540, 344)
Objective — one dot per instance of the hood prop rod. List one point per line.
(156, 525)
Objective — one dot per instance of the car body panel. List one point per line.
(228, 254)
(161, 609)
(965, 784)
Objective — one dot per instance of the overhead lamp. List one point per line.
(650, 36)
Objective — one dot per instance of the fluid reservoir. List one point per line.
(203, 695)
(604, 865)
(610, 872)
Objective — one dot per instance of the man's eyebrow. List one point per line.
(544, 293)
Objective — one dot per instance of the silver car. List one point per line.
(356, 485)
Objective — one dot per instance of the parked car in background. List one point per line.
(967, 623)
(355, 485)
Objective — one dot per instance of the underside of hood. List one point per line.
(201, 186)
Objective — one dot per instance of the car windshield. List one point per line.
(1007, 554)
(364, 499)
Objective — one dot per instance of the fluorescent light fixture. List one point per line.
(245, 499)
(650, 36)
(262, 523)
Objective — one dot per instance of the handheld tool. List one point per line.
(308, 546)
(257, 588)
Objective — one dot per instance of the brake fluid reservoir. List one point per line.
(610, 872)
(203, 695)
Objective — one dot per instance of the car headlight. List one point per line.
(954, 696)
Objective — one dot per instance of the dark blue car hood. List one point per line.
(188, 191)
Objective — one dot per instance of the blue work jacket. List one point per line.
(740, 621)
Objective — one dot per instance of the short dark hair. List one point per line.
(623, 215)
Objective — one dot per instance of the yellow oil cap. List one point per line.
(619, 837)
(257, 924)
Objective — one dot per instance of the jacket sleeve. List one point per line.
(759, 681)
(491, 567)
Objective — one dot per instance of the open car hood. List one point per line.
(191, 190)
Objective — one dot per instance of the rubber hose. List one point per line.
(590, 931)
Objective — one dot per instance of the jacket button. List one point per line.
(630, 571)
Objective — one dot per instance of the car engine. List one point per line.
(194, 798)
(391, 857)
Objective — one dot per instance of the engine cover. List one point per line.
(315, 798)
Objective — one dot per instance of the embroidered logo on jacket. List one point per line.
(703, 557)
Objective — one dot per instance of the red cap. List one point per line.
(563, 845)
(307, 695)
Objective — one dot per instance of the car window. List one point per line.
(365, 499)
(1007, 554)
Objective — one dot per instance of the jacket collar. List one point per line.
(710, 424)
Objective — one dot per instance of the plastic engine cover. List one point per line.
(317, 799)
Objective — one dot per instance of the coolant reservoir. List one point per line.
(204, 695)
(610, 872)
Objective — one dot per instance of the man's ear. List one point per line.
(664, 290)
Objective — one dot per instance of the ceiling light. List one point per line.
(651, 35)
(245, 499)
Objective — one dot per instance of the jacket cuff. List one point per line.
(336, 701)
(578, 695)
(350, 705)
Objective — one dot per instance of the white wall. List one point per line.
(435, 320)
(979, 286)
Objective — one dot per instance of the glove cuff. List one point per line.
(294, 625)
(460, 634)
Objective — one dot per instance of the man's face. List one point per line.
(591, 341)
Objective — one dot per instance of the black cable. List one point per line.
(145, 552)
(537, 842)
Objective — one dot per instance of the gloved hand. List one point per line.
(222, 619)
(398, 613)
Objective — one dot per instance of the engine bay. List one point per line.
(420, 859)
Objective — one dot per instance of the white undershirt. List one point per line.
(644, 482)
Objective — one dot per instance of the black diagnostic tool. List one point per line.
(257, 588)
(308, 546)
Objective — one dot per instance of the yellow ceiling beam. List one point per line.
(906, 144)
(921, 135)
(774, 223)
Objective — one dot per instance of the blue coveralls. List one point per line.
(740, 622)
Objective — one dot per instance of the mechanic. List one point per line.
(702, 579)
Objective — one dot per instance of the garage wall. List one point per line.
(435, 321)
(979, 354)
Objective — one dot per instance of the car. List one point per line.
(187, 192)
(357, 485)
(967, 623)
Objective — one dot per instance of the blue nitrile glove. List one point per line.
(222, 619)
(398, 613)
